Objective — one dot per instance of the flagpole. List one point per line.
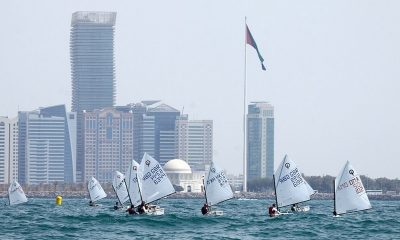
(244, 110)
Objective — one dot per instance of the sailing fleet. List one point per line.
(146, 183)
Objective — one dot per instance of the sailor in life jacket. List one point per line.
(273, 211)
(204, 209)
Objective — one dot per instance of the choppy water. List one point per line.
(243, 219)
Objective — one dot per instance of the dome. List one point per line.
(177, 166)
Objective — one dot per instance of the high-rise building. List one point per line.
(260, 140)
(108, 143)
(92, 67)
(154, 129)
(194, 142)
(47, 140)
(8, 149)
(164, 120)
(143, 129)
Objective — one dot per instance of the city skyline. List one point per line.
(333, 81)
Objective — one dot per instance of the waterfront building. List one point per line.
(236, 181)
(8, 149)
(181, 175)
(154, 129)
(108, 143)
(260, 140)
(194, 142)
(92, 67)
(47, 143)
(164, 132)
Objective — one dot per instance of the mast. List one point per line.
(244, 111)
(119, 200)
(140, 191)
(89, 192)
(276, 197)
(127, 189)
(205, 192)
(334, 196)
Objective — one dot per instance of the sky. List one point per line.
(333, 71)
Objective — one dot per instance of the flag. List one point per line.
(251, 42)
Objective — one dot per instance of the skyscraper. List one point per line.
(47, 138)
(154, 129)
(194, 142)
(164, 119)
(260, 140)
(92, 67)
(92, 60)
(8, 149)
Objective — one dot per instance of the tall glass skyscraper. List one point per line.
(92, 60)
(92, 68)
(260, 140)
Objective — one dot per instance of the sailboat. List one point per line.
(154, 183)
(290, 186)
(15, 194)
(132, 184)
(349, 192)
(120, 188)
(216, 188)
(96, 192)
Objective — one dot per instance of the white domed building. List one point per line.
(180, 174)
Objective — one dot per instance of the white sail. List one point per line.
(216, 186)
(350, 194)
(120, 187)
(153, 181)
(132, 183)
(96, 192)
(15, 194)
(290, 185)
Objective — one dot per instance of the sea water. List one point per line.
(242, 219)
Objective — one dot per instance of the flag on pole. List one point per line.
(251, 42)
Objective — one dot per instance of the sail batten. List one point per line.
(154, 183)
(290, 186)
(120, 187)
(350, 194)
(96, 192)
(15, 194)
(217, 186)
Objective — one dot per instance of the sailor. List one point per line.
(92, 204)
(334, 213)
(116, 207)
(295, 207)
(204, 209)
(131, 210)
(142, 208)
(273, 211)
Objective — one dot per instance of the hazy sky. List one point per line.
(333, 70)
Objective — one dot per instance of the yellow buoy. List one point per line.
(58, 200)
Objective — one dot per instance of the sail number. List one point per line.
(355, 182)
(156, 174)
(294, 176)
(220, 177)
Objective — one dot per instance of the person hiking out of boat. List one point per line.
(92, 204)
(116, 207)
(142, 208)
(295, 207)
(273, 211)
(131, 210)
(204, 209)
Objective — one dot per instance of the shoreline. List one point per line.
(186, 195)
